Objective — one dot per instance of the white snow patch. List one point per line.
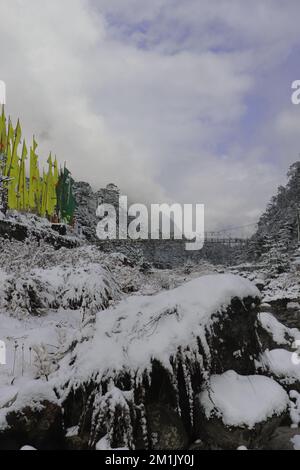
(8, 395)
(104, 444)
(72, 432)
(293, 305)
(296, 442)
(280, 363)
(243, 400)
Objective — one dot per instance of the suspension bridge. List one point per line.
(232, 236)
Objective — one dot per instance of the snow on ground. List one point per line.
(52, 279)
(21, 335)
(164, 305)
(275, 286)
(141, 328)
(18, 386)
(18, 258)
(104, 444)
(58, 279)
(283, 286)
(28, 220)
(243, 400)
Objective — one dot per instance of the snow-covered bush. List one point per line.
(44, 363)
(66, 287)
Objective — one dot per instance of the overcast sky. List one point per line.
(174, 101)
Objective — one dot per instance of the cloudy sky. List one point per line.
(174, 101)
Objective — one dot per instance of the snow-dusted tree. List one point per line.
(278, 227)
(44, 362)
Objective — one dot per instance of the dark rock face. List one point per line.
(217, 435)
(87, 202)
(86, 206)
(282, 439)
(40, 427)
(234, 342)
(76, 443)
(288, 316)
(166, 428)
(16, 231)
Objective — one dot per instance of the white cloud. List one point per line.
(150, 119)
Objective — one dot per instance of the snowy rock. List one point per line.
(42, 425)
(24, 228)
(166, 428)
(87, 203)
(143, 328)
(294, 409)
(260, 284)
(147, 359)
(284, 366)
(265, 305)
(241, 410)
(272, 333)
(293, 306)
(284, 438)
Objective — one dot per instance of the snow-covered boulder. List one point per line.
(284, 366)
(274, 334)
(157, 350)
(33, 415)
(241, 410)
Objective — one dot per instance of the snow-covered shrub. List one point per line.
(45, 364)
(67, 287)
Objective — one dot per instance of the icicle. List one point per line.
(105, 408)
(189, 388)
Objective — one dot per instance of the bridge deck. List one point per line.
(227, 241)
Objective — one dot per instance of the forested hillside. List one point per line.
(278, 231)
